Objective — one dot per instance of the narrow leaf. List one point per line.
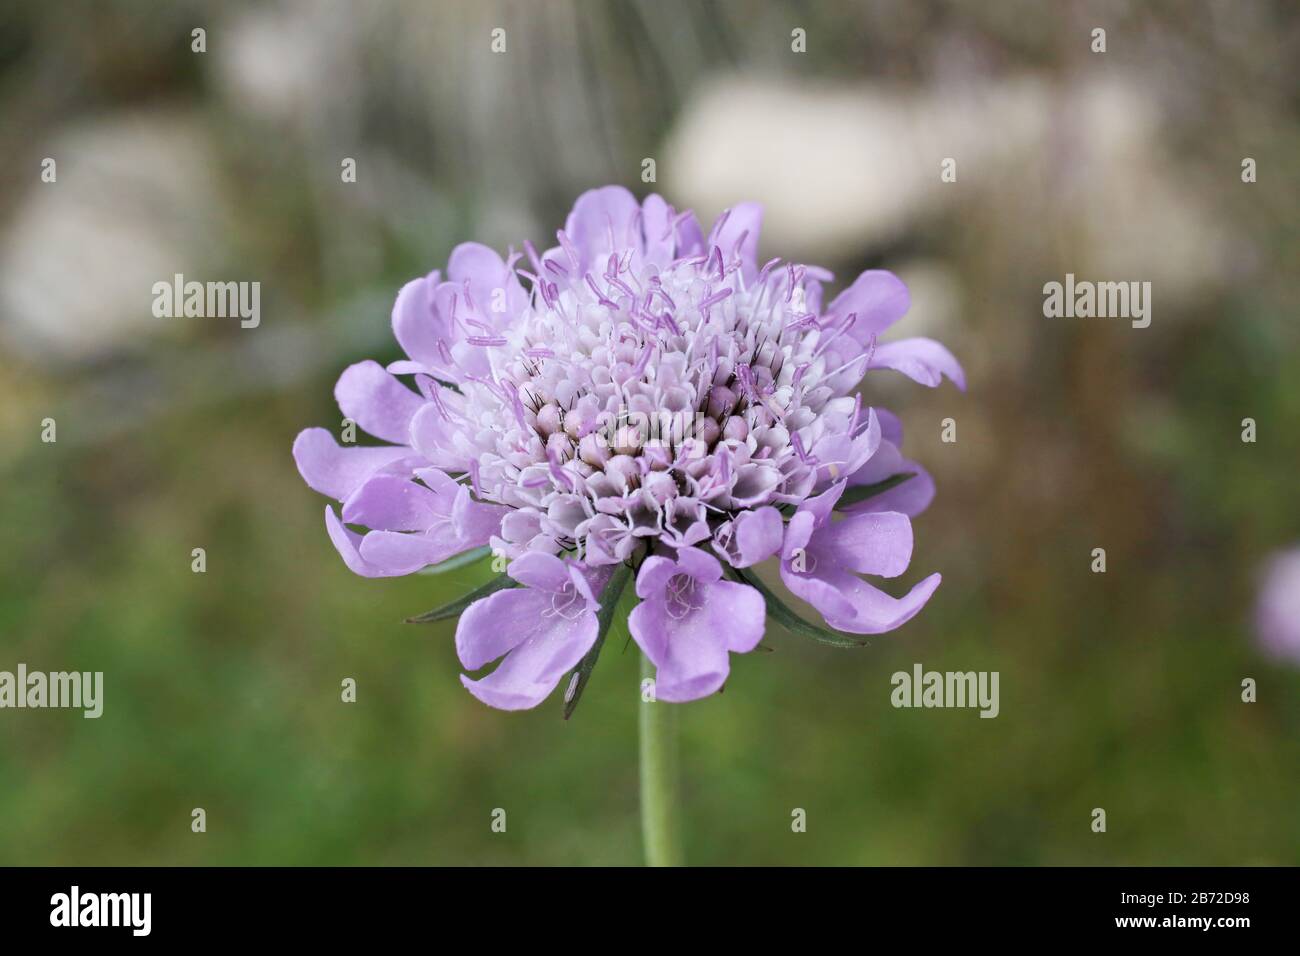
(499, 583)
(579, 676)
(792, 622)
(860, 493)
(464, 559)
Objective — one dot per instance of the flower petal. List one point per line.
(653, 577)
(871, 543)
(495, 290)
(755, 537)
(822, 506)
(920, 359)
(878, 299)
(433, 435)
(891, 427)
(701, 566)
(396, 553)
(416, 326)
(840, 455)
(492, 627)
(539, 571)
(657, 231)
(739, 236)
(850, 604)
(377, 401)
(691, 653)
(597, 215)
(347, 543)
(473, 520)
(336, 470)
(798, 532)
(545, 644)
(392, 503)
(910, 498)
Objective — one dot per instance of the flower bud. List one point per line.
(721, 401)
(592, 449)
(548, 419)
(736, 428)
(707, 430)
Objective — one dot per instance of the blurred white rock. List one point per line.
(291, 63)
(844, 169)
(134, 202)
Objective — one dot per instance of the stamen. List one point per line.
(641, 363)
(437, 403)
(591, 283)
(715, 298)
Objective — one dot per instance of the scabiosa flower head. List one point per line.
(639, 396)
(1277, 611)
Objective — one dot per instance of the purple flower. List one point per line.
(1277, 611)
(641, 396)
(821, 560)
(689, 621)
(542, 630)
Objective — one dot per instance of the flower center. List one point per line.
(668, 398)
(567, 604)
(682, 597)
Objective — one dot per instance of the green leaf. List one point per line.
(454, 609)
(604, 618)
(461, 560)
(792, 622)
(859, 493)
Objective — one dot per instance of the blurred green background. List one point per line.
(1118, 690)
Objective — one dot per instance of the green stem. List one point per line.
(660, 810)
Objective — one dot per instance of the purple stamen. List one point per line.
(558, 474)
(715, 298)
(799, 450)
(437, 403)
(641, 363)
(591, 283)
(623, 286)
(746, 381)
